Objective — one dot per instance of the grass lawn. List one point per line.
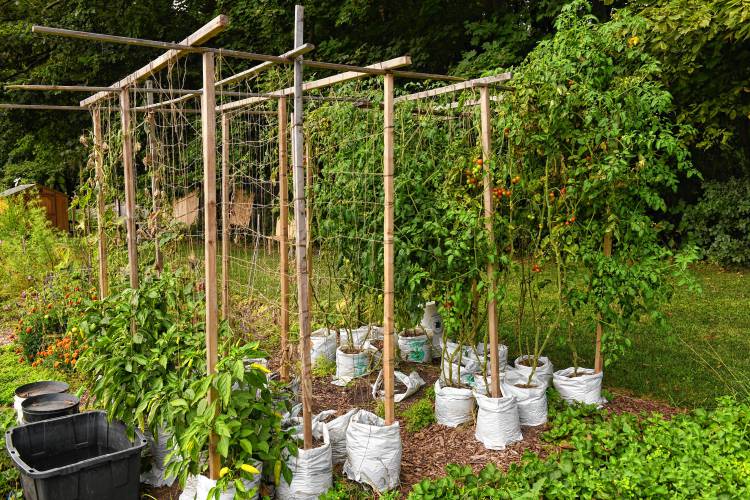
(702, 355)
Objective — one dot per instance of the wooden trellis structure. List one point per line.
(294, 95)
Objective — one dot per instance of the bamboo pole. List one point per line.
(598, 360)
(203, 34)
(127, 162)
(208, 131)
(153, 151)
(284, 239)
(300, 218)
(309, 200)
(42, 107)
(225, 227)
(100, 203)
(388, 255)
(484, 98)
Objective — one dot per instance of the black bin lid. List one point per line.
(43, 387)
(47, 403)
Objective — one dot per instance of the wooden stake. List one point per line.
(309, 199)
(225, 227)
(100, 203)
(153, 151)
(300, 224)
(598, 360)
(284, 239)
(127, 162)
(484, 99)
(388, 255)
(208, 130)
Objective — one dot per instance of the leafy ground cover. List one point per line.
(703, 454)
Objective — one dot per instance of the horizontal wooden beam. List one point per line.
(477, 82)
(299, 51)
(43, 107)
(156, 44)
(202, 35)
(86, 88)
(391, 64)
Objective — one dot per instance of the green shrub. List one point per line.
(419, 415)
(30, 249)
(701, 454)
(324, 367)
(720, 222)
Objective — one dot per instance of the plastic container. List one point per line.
(36, 389)
(46, 406)
(77, 457)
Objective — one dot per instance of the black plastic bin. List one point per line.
(76, 457)
(47, 406)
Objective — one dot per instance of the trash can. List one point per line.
(76, 457)
(47, 406)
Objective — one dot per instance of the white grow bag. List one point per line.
(336, 433)
(417, 349)
(373, 451)
(350, 366)
(502, 352)
(543, 371)
(586, 388)
(323, 344)
(197, 487)
(360, 335)
(431, 320)
(497, 422)
(455, 374)
(532, 401)
(453, 406)
(312, 470)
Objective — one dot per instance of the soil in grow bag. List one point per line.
(46, 406)
(76, 457)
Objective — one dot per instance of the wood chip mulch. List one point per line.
(427, 452)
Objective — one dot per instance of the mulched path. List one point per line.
(427, 452)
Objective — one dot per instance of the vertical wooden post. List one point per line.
(153, 152)
(309, 200)
(284, 239)
(127, 163)
(388, 255)
(598, 360)
(484, 100)
(300, 224)
(100, 202)
(208, 130)
(225, 228)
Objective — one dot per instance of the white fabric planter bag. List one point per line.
(502, 351)
(312, 470)
(586, 388)
(323, 344)
(455, 374)
(453, 406)
(352, 365)
(373, 451)
(497, 422)
(197, 487)
(532, 402)
(415, 349)
(431, 320)
(336, 433)
(159, 450)
(360, 335)
(412, 382)
(543, 371)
